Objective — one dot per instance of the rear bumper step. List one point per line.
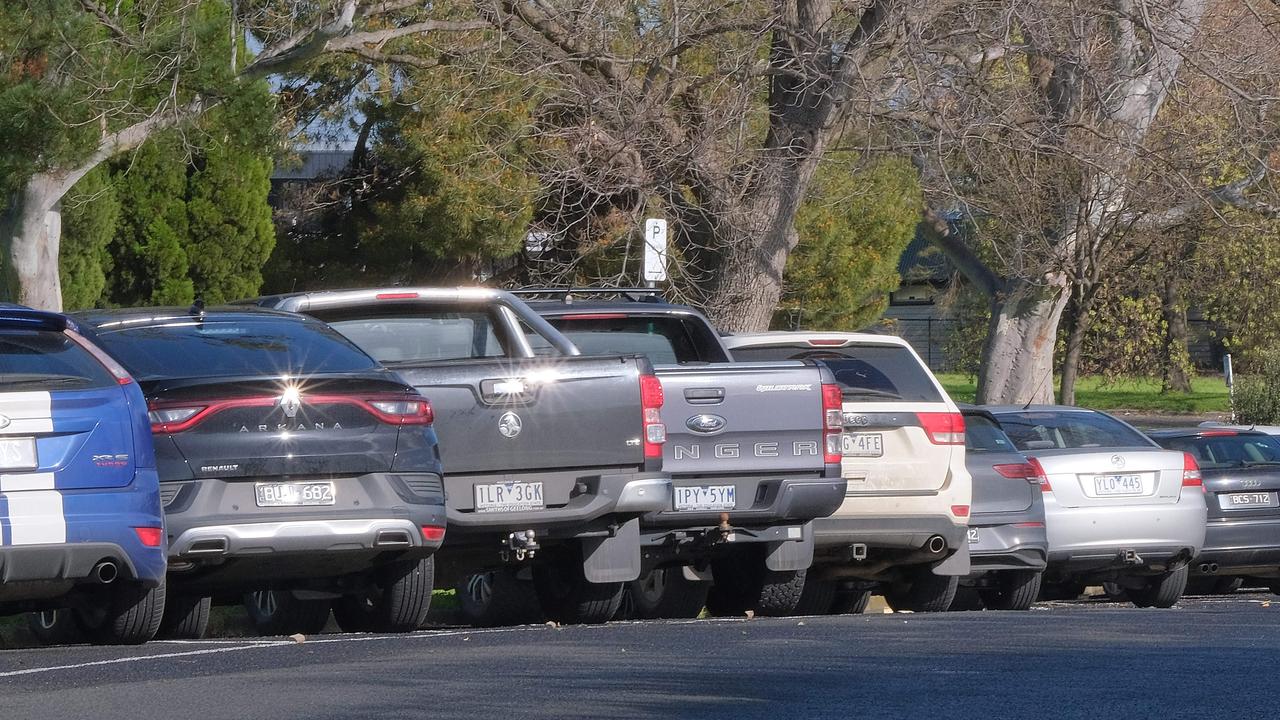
(215, 541)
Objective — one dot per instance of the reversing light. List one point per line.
(832, 423)
(173, 419)
(403, 411)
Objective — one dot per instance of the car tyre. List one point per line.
(817, 597)
(186, 617)
(967, 599)
(743, 583)
(1068, 590)
(567, 597)
(279, 612)
(920, 590)
(398, 602)
(1013, 590)
(131, 615)
(665, 593)
(1161, 591)
(850, 602)
(55, 627)
(498, 598)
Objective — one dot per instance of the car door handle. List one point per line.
(704, 396)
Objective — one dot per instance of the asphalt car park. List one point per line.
(1208, 657)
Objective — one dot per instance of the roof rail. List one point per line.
(568, 295)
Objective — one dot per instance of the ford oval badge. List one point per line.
(706, 424)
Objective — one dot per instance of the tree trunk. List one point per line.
(1176, 355)
(31, 231)
(1017, 360)
(1079, 324)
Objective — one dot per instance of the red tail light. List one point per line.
(396, 296)
(943, 428)
(1018, 471)
(432, 533)
(393, 409)
(960, 510)
(826, 342)
(1191, 471)
(149, 536)
(832, 423)
(117, 370)
(1039, 475)
(651, 400)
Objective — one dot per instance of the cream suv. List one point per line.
(902, 529)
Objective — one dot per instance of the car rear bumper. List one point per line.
(1098, 538)
(904, 533)
(217, 519)
(1241, 546)
(1006, 543)
(761, 502)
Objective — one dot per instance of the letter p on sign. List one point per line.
(655, 250)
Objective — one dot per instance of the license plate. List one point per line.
(862, 444)
(509, 497)
(1246, 500)
(1109, 485)
(294, 494)
(705, 497)
(973, 535)
(18, 453)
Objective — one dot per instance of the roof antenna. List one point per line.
(197, 307)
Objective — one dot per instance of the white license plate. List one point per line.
(1247, 500)
(1109, 485)
(973, 535)
(509, 497)
(18, 453)
(862, 444)
(705, 497)
(294, 494)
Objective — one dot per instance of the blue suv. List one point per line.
(80, 520)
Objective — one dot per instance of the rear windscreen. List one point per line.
(1037, 430)
(234, 349)
(982, 435)
(1220, 451)
(424, 336)
(868, 372)
(665, 340)
(45, 360)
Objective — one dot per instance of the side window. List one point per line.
(423, 336)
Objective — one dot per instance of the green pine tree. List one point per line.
(89, 216)
(229, 229)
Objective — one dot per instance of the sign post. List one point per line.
(1229, 375)
(655, 251)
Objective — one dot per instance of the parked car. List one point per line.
(752, 449)
(295, 472)
(1241, 475)
(1118, 507)
(903, 523)
(552, 458)
(80, 521)
(1008, 546)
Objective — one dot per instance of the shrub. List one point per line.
(1257, 394)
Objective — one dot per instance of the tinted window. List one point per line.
(1047, 430)
(665, 340)
(234, 348)
(1220, 451)
(424, 336)
(867, 372)
(982, 435)
(48, 361)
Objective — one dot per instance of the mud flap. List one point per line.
(613, 559)
(791, 554)
(957, 564)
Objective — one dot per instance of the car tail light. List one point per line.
(402, 410)
(1018, 471)
(943, 428)
(149, 536)
(432, 533)
(960, 510)
(832, 423)
(1191, 471)
(1218, 433)
(117, 370)
(826, 342)
(1039, 475)
(396, 296)
(651, 400)
(594, 316)
(172, 419)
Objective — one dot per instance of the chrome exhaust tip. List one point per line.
(105, 572)
(936, 544)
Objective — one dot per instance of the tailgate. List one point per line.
(742, 418)
(887, 449)
(524, 415)
(1111, 477)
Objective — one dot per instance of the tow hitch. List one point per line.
(724, 529)
(521, 544)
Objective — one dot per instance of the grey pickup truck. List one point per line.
(753, 449)
(550, 459)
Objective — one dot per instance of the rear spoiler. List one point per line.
(567, 295)
(22, 317)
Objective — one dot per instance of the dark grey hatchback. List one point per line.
(1008, 545)
(1241, 475)
(295, 471)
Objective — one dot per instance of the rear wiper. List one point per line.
(1255, 463)
(868, 392)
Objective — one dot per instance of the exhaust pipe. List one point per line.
(936, 544)
(105, 572)
(1213, 567)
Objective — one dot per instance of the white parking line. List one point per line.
(257, 645)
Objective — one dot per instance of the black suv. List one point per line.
(295, 472)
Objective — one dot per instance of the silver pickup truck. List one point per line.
(753, 449)
(550, 458)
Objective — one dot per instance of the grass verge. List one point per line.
(1208, 394)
